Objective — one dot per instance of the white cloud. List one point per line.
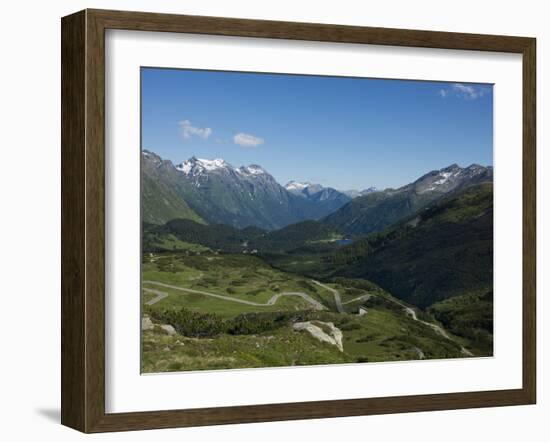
(188, 130)
(466, 91)
(247, 140)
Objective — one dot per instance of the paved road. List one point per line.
(336, 293)
(271, 301)
(316, 304)
(362, 298)
(436, 327)
(159, 297)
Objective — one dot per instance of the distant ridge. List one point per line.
(375, 211)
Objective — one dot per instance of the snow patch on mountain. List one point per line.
(217, 163)
(296, 185)
(195, 166)
(446, 179)
(353, 193)
(253, 169)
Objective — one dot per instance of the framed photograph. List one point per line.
(269, 220)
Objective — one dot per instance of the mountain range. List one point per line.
(375, 211)
(216, 192)
(353, 193)
(327, 198)
(428, 243)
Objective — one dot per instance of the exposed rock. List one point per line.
(419, 352)
(168, 329)
(333, 336)
(146, 323)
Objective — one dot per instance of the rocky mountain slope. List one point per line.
(327, 198)
(219, 193)
(376, 210)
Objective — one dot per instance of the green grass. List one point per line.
(170, 242)
(386, 333)
(449, 252)
(469, 316)
(282, 347)
(239, 276)
(201, 303)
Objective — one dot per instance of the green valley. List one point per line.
(392, 275)
(234, 311)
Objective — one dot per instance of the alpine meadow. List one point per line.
(294, 220)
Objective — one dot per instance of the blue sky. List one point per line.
(346, 133)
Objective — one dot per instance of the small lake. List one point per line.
(344, 242)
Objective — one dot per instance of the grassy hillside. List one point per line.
(375, 211)
(444, 251)
(160, 204)
(241, 328)
(469, 315)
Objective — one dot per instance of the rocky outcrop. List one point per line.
(323, 331)
(146, 323)
(168, 329)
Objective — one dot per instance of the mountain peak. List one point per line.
(252, 169)
(453, 169)
(354, 193)
(476, 166)
(297, 185)
(151, 156)
(369, 190)
(216, 163)
(451, 177)
(194, 165)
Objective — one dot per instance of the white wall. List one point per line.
(30, 217)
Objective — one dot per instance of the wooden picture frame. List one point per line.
(83, 220)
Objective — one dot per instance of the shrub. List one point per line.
(189, 323)
(350, 326)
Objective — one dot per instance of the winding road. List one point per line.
(436, 327)
(410, 311)
(315, 304)
(336, 293)
(160, 295)
(271, 301)
(359, 298)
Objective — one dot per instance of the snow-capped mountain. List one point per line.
(304, 189)
(375, 211)
(296, 186)
(452, 177)
(216, 192)
(195, 166)
(331, 199)
(221, 193)
(252, 170)
(353, 193)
